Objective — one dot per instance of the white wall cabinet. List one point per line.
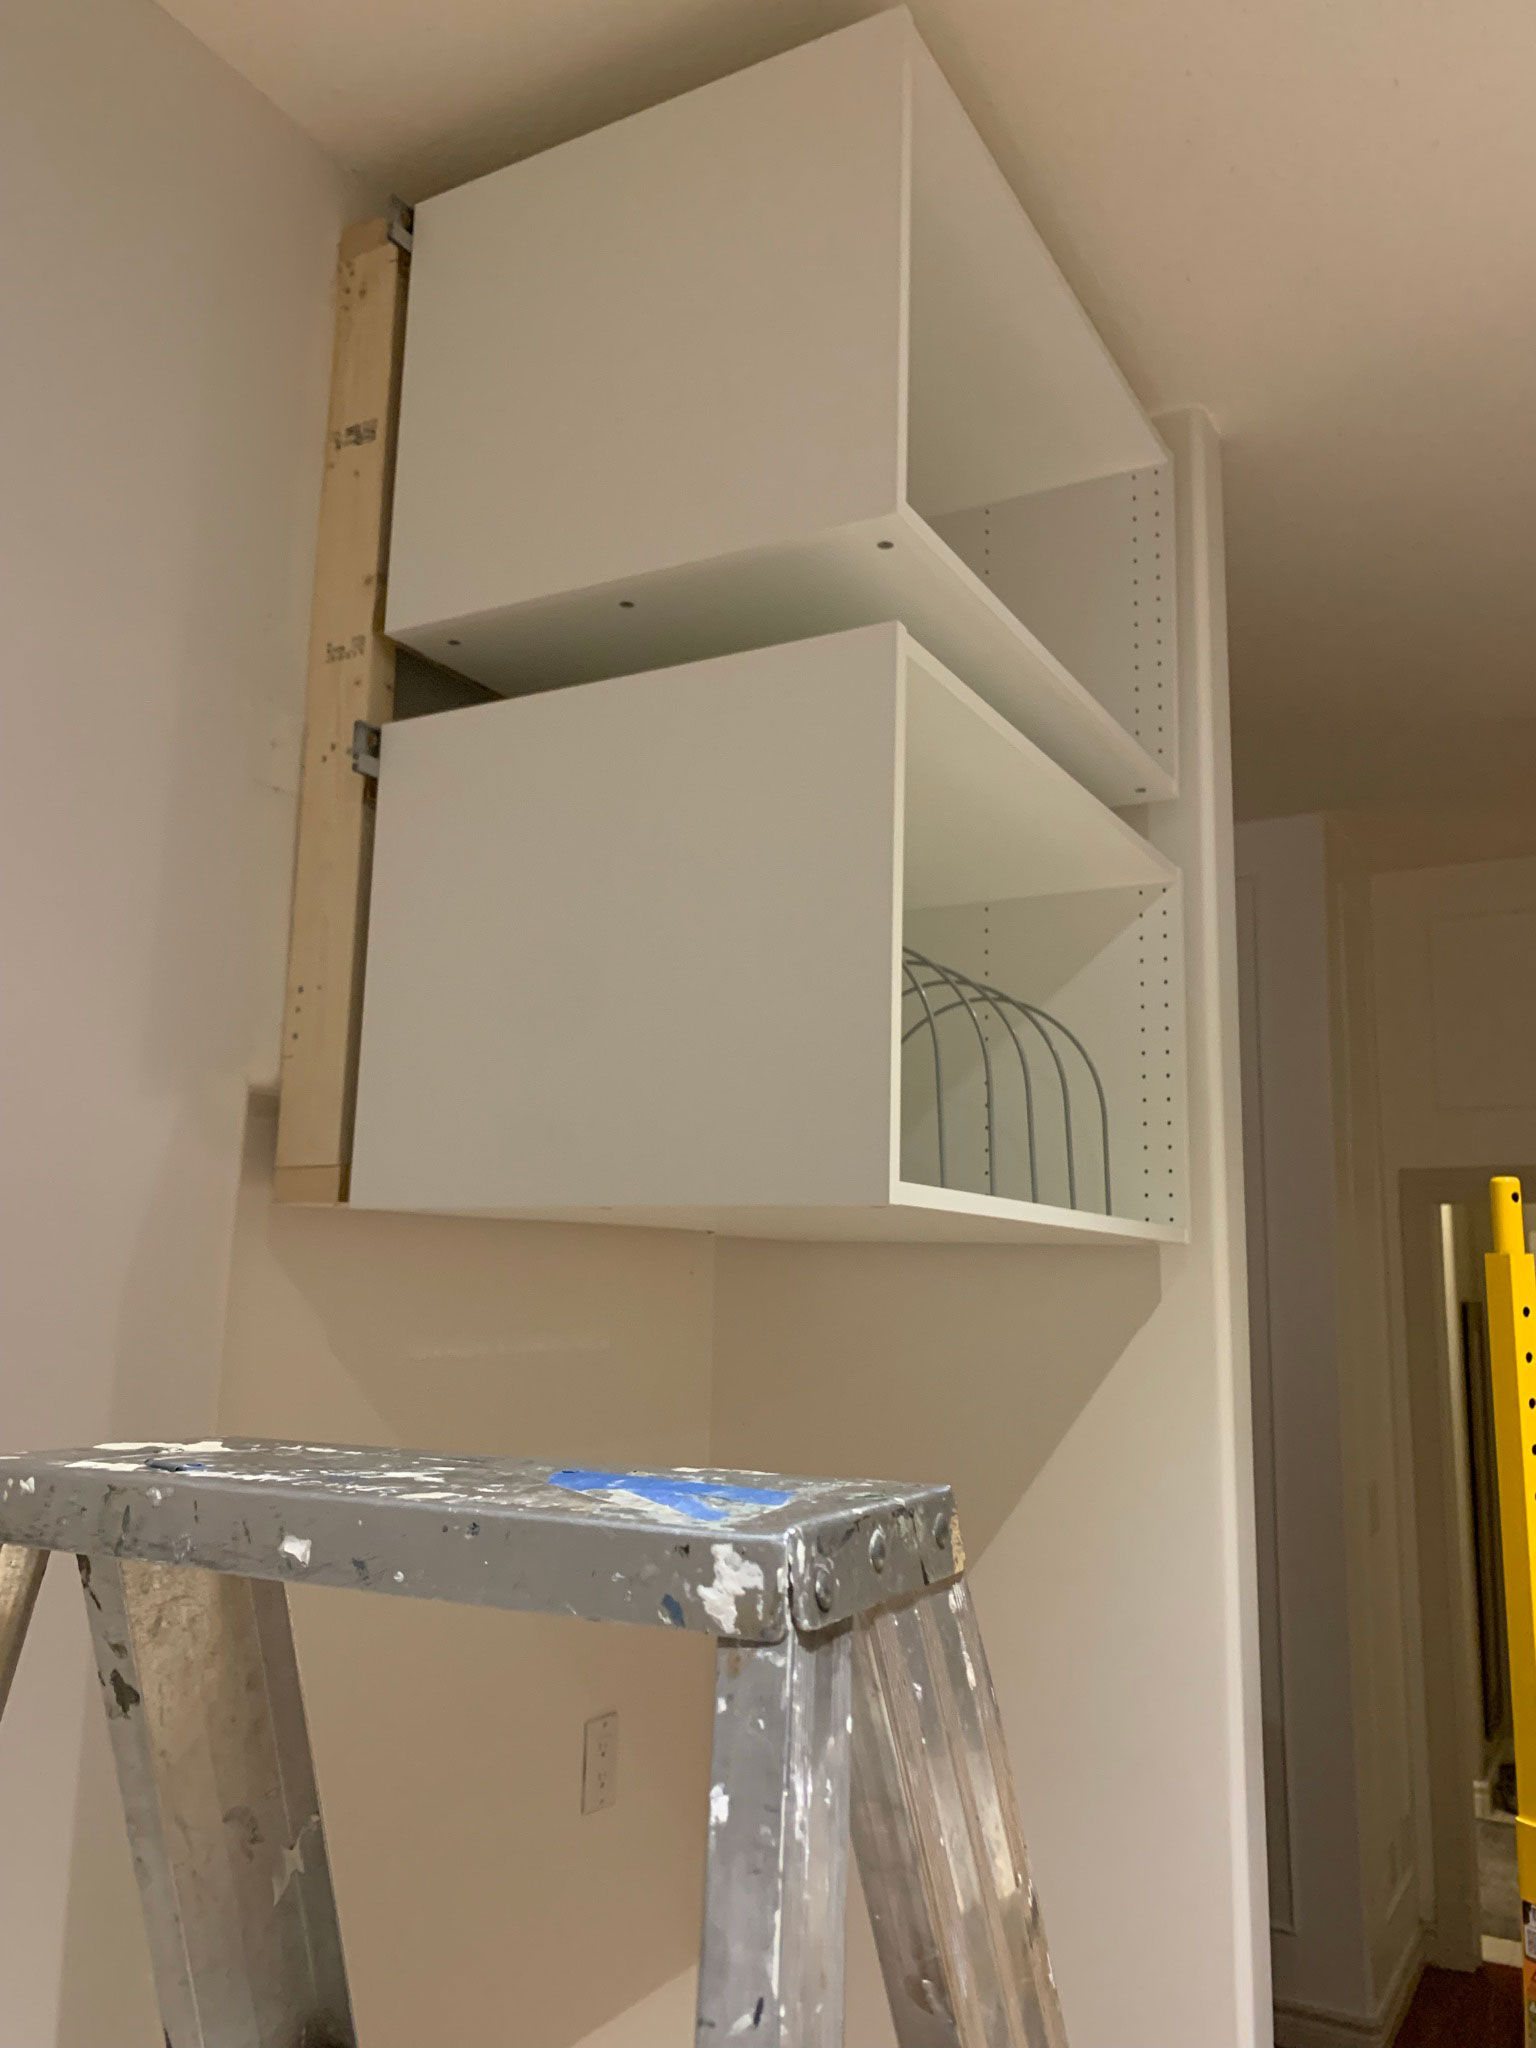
(779, 357)
(637, 955)
(751, 909)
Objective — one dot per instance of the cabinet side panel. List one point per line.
(1090, 569)
(1011, 388)
(1108, 964)
(676, 338)
(631, 944)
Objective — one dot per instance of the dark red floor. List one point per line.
(1452, 2009)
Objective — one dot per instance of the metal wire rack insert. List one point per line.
(935, 992)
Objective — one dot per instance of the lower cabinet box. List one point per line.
(805, 942)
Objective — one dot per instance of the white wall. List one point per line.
(1386, 1672)
(448, 1740)
(1414, 1077)
(169, 246)
(1388, 1015)
(1318, 1909)
(168, 281)
(1091, 1408)
(1453, 998)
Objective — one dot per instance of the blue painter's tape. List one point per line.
(672, 1610)
(701, 1500)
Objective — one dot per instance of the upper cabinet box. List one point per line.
(780, 357)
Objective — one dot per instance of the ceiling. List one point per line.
(1316, 218)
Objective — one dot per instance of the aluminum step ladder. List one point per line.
(852, 1697)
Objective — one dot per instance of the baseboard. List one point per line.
(1300, 2027)
(1307, 2026)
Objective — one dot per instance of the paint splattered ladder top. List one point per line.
(741, 1554)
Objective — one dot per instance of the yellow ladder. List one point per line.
(1511, 1281)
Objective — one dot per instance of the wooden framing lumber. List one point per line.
(351, 677)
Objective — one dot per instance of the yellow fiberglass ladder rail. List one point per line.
(1511, 1282)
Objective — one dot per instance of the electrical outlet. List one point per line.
(600, 1763)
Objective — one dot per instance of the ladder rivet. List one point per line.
(877, 1550)
(941, 1530)
(824, 1584)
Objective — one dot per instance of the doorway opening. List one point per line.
(1469, 1726)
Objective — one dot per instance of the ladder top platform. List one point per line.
(739, 1554)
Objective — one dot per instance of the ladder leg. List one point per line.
(936, 1831)
(775, 1899)
(21, 1578)
(201, 1690)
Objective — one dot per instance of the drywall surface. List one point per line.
(664, 2018)
(164, 353)
(1080, 1439)
(1090, 1408)
(169, 301)
(1317, 1900)
(975, 1365)
(448, 1740)
(1389, 998)
(1434, 935)
(1088, 1405)
(1383, 1599)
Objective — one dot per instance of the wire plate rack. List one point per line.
(1034, 1071)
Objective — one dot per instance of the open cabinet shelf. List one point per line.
(636, 956)
(772, 360)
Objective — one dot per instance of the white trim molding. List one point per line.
(1302, 2026)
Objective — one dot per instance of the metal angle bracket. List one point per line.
(402, 223)
(364, 749)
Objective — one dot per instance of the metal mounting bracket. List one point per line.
(365, 749)
(402, 221)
